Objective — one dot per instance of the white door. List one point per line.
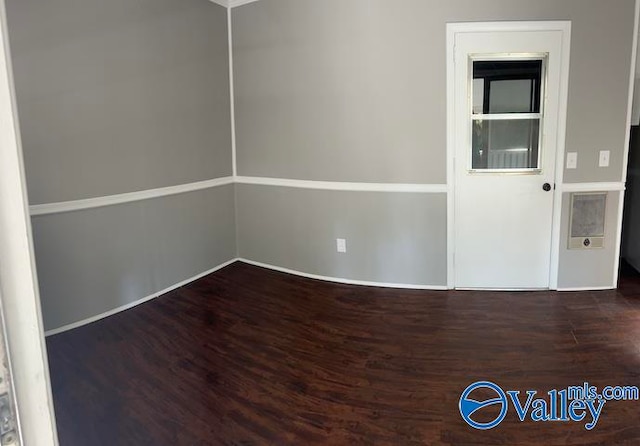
(507, 107)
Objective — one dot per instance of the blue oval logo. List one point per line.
(468, 406)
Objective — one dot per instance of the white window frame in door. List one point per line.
(454, 29)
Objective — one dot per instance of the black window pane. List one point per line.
(507, 86)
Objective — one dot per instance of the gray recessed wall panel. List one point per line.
(93, 261)
(391, 237)
(356, 91)
(117, 96)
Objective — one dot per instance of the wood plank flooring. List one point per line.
(248, 356)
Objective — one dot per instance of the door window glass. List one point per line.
(506, 114)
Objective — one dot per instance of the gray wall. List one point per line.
(117, 96)
(391, 237)
(631, 230)
(92, 261)
(120, 96)
(356, 91)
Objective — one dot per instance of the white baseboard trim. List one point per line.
(128, 306)
(110, 200)
(587, 288)
(345, 186)
(137, 302)
(344, 281)
(592, 187)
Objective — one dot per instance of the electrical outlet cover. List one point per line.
(604, 158)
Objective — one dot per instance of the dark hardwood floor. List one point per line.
(248, 356)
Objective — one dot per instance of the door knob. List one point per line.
(546, 187)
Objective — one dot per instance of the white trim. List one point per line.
(83, 322)
(505, 117)
(232, 96)
(515, 26)
(110, 200)
(451, 158)
(224, 3)
(342, 186)
(563, 107)
(592, 187)
(236, 3)
(466, 27)
(586, 288)
(344, 281)
(122, 308)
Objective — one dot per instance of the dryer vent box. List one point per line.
(586, 226)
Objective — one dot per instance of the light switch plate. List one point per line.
(604, 158)
(572, 160)
(341, 245)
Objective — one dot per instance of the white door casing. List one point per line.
(18, 282)
(503, 227)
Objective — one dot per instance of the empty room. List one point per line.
(269, 222)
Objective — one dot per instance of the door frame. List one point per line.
(454, 29)
(19, 295)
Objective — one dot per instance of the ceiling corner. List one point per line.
(224, 3)
(234, 3)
